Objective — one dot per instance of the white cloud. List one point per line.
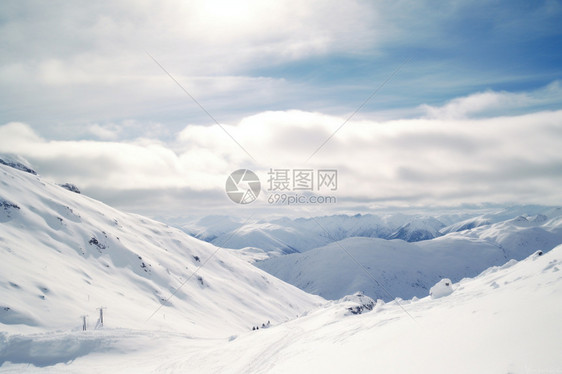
(103, 132)
(495, 103)
(142, 164)
(79, 71)
(424, 161)
(195, 37)
(83, 63)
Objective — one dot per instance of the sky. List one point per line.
(148, 106)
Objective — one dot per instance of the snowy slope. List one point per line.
(63, 255)
(521, 235)
(391, 268)
(409, 269)
(506, 320)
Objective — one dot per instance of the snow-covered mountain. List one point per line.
(16, 162)
(260, 240)
(314, 253)
(467, 224)
(382, 269)
(418, 229)
(284, 235)
(506, 320)
(63, 255)
(532, 213)
(387, 269)
(175, 304)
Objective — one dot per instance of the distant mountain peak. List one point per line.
(419, 229)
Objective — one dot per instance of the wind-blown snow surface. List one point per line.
(506, 320)
(63, 255)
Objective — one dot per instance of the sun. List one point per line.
(227, 11)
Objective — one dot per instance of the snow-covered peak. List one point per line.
(467, 224)
(419, 229)
(64, 255)
(17, 162)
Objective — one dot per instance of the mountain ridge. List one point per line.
(64, 255)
